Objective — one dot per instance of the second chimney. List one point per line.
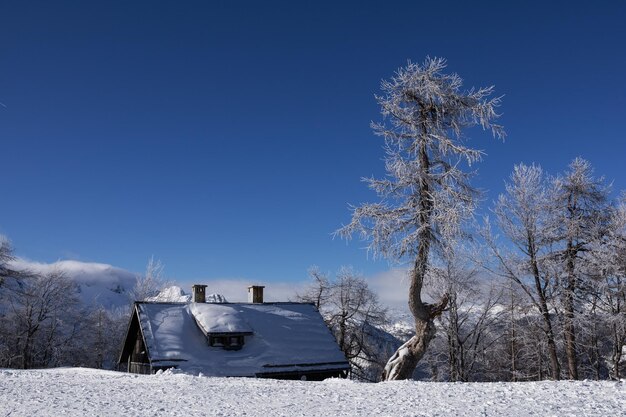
(255, 294)
(199, 293)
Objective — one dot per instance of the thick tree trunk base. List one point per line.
(402, 364)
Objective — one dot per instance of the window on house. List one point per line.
(227, 342)
(216, 341)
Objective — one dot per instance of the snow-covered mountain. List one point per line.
(104, 285)
(175, 294)
(98, 284)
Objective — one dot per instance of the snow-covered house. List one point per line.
(255, 339)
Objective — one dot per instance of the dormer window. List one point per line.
(227, 341)
(223, 325)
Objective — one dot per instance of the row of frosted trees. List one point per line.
(555, 303)
(44, 324)
(537, 291)
(543, 298)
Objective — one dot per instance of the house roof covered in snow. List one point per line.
(279, 337)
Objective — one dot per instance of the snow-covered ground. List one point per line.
(82, 392)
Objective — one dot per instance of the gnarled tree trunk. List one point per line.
(403, 362)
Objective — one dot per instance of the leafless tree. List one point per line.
(525, 216)
(101, 336)
(609, 288)
(471, 322)
(6, 257)
(582, 218)
(353, 313)
(319, 291)
(426, 195)
(35, 318)
(150, 283)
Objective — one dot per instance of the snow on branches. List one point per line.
(426, 196)
(426, 193)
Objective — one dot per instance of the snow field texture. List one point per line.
(90, 392)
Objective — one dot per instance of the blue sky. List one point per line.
(227, 138)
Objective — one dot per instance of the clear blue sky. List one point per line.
(227, 138)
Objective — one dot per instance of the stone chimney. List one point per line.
(255, 294)
(198, 292)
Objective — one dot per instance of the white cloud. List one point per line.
(392, 287)
(83, 272)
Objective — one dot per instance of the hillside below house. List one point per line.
(255, 339)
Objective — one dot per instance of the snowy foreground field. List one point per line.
(82, 392)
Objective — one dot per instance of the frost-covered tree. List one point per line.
(565, 235)
(609, 292)
(426, 195)
(525, 214)
(471, 319)
(6, 257)
(319, 291)
(150, 283)
(583, 217)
